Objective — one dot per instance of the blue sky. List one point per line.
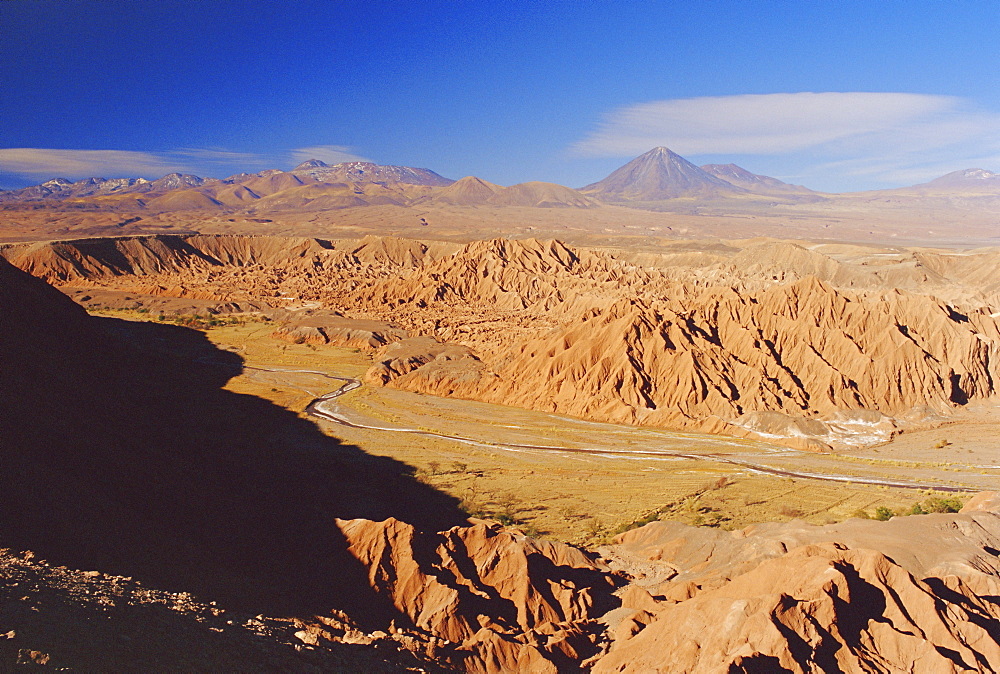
(834, 95)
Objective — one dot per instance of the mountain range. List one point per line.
(659, 179)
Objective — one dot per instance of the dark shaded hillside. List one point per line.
(121, 452)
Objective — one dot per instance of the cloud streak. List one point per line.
(85, 163)
(40, 164)
(221, 156)
(883, 136)
(783, 123)
(331, 154)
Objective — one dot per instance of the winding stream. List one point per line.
(324, 408)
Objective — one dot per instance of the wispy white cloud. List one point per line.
(331, 154)
(221, 156)
(38, 163)
(885, 137)
(778, 123)
(85, 163)
(119, 163)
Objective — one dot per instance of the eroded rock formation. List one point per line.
(706, 360)
(912, 594)
(487, 599)
(771, 340)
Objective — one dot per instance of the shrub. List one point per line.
(469, 506)
(938, 504)
(531, 529)
(883, 514)
(709, 517)
(636, 523)
(509, 508)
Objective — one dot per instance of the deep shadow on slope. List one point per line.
(121, 452)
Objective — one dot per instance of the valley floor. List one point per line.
(584, 481)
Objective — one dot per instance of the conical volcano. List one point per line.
(660, 174)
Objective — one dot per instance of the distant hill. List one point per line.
(367, 172)
(752, 182)
(312, 185)
(469, 191)
(472, 191)
(966, 180)
(661, 175)
(541, 195)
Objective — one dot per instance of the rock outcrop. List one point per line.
(805, 350)
(438, 364)
(488, 599)
(855, 596)
(313, 327)
(819, 608)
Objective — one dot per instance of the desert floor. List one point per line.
(587, 481)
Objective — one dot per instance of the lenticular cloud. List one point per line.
(785, 123)
(83, 163)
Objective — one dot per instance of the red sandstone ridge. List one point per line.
(506, 275)
(912, 594)
(717, 360)
(819, 608)
(308, 326)
(485, 599)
